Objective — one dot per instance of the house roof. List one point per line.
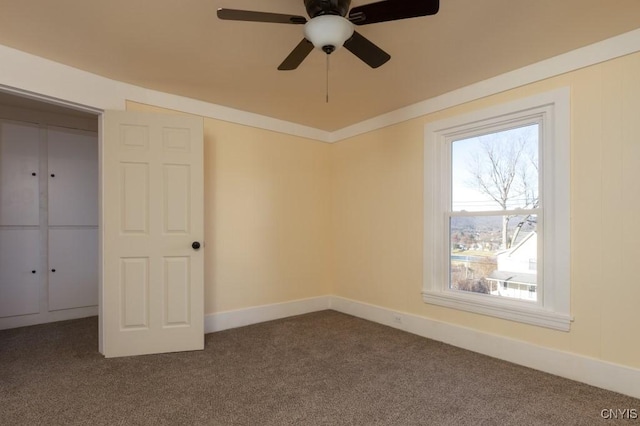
(513, 277)
(521, 243)
(182, 48)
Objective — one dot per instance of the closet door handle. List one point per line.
(195, 245)
(53, 270)
(33, 271)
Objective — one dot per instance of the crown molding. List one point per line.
(38, 78)
(219, 112)
(593, 54)
(35, 77)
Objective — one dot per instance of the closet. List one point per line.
(48, 214)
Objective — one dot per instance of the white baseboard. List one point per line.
(606, 375)
(241, 317)
(591, 371)
(46, 317)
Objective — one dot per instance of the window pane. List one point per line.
(494, 255)
(496, 171)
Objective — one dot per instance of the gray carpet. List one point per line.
(324, 368)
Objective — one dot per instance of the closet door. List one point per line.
(73, 268)
(20, 279)
(73, 218)
(19, 167)
(73, 177)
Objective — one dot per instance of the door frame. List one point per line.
(96, 95)
(99, 115)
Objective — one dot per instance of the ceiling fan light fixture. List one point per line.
(328, 30)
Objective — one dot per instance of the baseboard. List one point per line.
(591, 371)
(241, 317)
(46, 317)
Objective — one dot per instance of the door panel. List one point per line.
(177, 196)
(19, 171)
(134, 198)
(20, 277)
(153, 207)
(73, 268)
(176, 280)
(134, 291)
(73, 177)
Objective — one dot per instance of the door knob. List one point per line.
(195, 245)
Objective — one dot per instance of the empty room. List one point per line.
(319, 212)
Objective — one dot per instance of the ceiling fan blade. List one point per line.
(295, 58)
(249, 15)
(370, 54)
(392, 10)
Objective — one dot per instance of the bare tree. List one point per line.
(505, 169)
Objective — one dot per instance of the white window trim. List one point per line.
(553, 309)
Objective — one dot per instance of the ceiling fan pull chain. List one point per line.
(327, 78)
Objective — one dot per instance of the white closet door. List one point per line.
(73, 268)
(19, 167)
(153, 261)
(19, 275)
(73, 177)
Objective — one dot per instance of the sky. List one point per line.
(463, 152)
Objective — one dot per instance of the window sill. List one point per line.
(500, 308)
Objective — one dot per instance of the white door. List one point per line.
(73, 177)
(19, 169)
(152, 296)
(20, 275)
(73, 268)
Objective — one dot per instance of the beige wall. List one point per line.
(377, 214)
(289, 218)
(267, 216)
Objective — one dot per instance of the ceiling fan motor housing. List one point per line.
(327, 7)
(328, 32)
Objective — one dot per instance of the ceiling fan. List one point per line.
(330, 27)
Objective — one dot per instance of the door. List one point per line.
(19, 170)
(73, 177)
(20, 275)
(72, 205)
(73, 268)
(152, 295)
(20, 271)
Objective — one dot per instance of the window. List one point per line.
(497, 211)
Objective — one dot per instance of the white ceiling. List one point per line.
(180, 47)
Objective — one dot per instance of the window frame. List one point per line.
(551, 110)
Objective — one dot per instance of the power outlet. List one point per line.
(397, 319)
